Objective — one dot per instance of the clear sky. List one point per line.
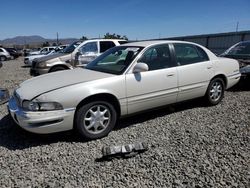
(137, 19)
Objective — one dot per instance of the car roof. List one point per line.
(154, 42)
(89, 40)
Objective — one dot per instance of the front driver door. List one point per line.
(88, 52)
(155, 87)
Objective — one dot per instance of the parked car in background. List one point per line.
(65, 52)
(43, 50)
(4, 93)
(124, 80)
(240, 52)
(87, 51)
(4, 54)
(28, 59)
(13, 53)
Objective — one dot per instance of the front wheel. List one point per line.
(95, 119)
(215, 91)
(3, 58)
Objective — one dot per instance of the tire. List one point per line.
(55, 69)
(3, 58)
(92, 126)
(215, 91)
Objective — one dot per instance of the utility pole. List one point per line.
(159, 35)
(237, 26)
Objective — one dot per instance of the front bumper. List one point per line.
(42, 122)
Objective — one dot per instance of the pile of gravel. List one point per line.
(190, 145)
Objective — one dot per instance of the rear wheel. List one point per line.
(215, 91)
(55, 69)
(96, 119)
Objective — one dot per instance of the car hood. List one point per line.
(35, 56)
(34, 87)
(48, 57)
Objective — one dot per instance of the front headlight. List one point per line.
(41, 106)
(41, 64)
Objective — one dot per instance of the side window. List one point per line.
(44, 50)
(105, 45)
(90, 47)
(203, 55)
(1, 50)
(188, 54)
(157, 57)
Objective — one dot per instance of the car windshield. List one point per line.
(115, 60)
(70, 48)
(240, 49)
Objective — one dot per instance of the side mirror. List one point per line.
(140, 67)
(79, 52)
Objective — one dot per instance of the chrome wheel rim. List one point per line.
(215, 91)
(97, 119)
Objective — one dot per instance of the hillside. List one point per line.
(34, 39)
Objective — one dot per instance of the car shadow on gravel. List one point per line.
(25, 66)
(159, 112)
(15, 138)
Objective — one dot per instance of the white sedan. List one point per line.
(124, 80)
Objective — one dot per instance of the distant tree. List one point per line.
(84, 38)
(27, 46)
(54, 44)
(45, 44)
(115, 36)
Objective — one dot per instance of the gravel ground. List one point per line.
(190, 145)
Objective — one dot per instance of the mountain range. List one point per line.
(34, 39)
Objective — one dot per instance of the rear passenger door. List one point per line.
(194, 70)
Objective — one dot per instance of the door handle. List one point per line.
(209, 67)
(170, 74)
